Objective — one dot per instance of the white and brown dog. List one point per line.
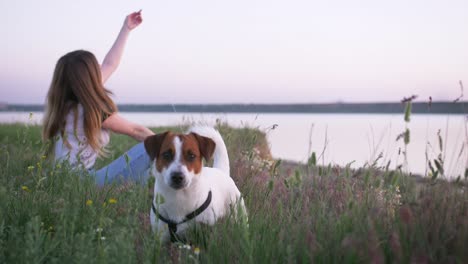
(185, 191)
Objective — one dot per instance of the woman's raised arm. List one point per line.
(112, 59)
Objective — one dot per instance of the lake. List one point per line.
(341, 139)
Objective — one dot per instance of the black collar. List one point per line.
(173, 225)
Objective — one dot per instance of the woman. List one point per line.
(80, 113)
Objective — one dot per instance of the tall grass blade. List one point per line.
(407, 136)
(441, 144)
(408, 111)
(312, 160)
(439, 166)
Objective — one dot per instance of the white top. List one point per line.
(80, 153)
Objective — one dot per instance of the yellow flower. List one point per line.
(196, 250)
(89, 202)
(30, 168)
(25, 188)
(44, 157)
(112, 201)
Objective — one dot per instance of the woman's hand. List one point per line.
(133, 20)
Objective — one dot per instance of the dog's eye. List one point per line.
(167, 155)
(191, 157)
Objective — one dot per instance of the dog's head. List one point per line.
(179, 157)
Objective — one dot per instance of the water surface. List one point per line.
(340, 139)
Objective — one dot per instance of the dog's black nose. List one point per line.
(177, 177)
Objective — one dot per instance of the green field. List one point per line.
(297, 213)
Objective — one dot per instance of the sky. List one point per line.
(244, 51)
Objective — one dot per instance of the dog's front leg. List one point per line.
(159, 228)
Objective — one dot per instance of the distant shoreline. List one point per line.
(364, 108)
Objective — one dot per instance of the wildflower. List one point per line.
(30, 168)
(25, 188)
(103, 238)
(196, 251)
(112, 201)
(99, 230)
(43, 157)
(406, 214)
(89, 202)
(395, 245)
(397, 197)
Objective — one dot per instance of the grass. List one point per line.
(297, 213)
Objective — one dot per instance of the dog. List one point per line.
(185, 191)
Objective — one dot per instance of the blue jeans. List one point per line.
(132, 165)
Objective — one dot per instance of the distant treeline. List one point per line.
(418, 107)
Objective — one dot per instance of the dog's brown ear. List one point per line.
(153, 144)
(206, 145)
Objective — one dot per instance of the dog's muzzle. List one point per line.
(177, 180)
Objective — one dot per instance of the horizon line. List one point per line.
(456, 101)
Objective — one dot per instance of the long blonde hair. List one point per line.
(77, 80)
